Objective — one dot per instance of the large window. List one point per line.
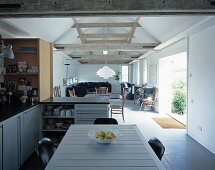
(124, 73)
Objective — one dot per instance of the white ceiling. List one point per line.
(59, 30)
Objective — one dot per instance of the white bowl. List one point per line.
(59, 124)
(92, 135)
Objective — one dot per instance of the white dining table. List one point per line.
(79, 152)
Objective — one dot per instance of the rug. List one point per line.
(169, 123)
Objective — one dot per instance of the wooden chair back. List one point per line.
(124, 96)
(72, 93)
(101, 90)
(119, 109)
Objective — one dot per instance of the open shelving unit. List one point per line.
(56, 133)
(36, 53)
(82, 112)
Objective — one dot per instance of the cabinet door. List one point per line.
(1, 146)
(10, 144)
(30, 130)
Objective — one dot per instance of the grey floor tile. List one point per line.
(182, 152)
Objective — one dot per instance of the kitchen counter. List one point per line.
(86, 109)
(77, 100)
(10, 109)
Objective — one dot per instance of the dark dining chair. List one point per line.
(157, 147)
(106, 121)
(44, 150)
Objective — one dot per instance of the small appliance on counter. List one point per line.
(30, 96)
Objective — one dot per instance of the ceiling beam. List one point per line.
(133, 29)
(106, 62)
(126, 35)
(56, 8)
(103, 57)
(107, 46)
(80, 32)
(113, 24)
(106, 41)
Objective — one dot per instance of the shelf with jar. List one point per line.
(32, 60)
(57, 117)
(56, 120)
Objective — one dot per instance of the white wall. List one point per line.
(201, 88)
(152, 69)
(201, 91)
(87, 73)
(135, 72)
(130, 73)
(59, 70)
(141, 72)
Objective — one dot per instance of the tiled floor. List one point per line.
(182, 152)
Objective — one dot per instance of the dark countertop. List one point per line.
(10, 109)
(77, 100)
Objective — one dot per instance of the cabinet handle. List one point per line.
(1, 147)
(19, 139)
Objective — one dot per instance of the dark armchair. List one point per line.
(127, 87)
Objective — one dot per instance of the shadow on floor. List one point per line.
(32, 163)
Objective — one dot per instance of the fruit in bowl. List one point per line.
(104, 136)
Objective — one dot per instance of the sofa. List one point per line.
(88, 87)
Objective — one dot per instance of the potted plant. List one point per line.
(179, 99)
(117, 75)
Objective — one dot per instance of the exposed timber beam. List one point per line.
(106, 41)
(133, 29)
(80, 32)
(56, 8)
(126, 35)
(104, 62)
(103, 57)
(98, 25)
(107, 46)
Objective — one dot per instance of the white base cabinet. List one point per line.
(87, 113)
(30, 131)
(9, 144)
(1, 146)
(81, 114)
(18, 138)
